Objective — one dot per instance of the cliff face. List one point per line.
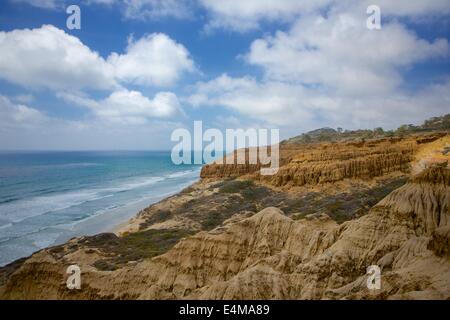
(270, 256)
(332, 164)
(326, 162)
(266, 255)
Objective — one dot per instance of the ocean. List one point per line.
(47, 198)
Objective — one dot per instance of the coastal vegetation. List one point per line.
(309, 232)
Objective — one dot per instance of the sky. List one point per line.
(137, 70)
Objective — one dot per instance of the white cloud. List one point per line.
(26, 128)
(274, 102)
(47, 57)
(339, 53)
(297, 108)
(18, 115)
(132, 9)
(60, 4)
(153, 9)
(124, 106)
(332, 71)
(46, 4)
(405, 8)
(326, 70)
(102, 2)
(24, 98)
(246, 15)
(154, 59)
(241, 16)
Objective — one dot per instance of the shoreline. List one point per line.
(121, 216)
(116, 229)
(241, 239)
(109, 221)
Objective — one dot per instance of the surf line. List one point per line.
(191, 310)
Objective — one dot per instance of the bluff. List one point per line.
(310, 164)
(262, 253)
(271, 256)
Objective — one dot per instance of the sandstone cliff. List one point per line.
(270, 256)
(248, 253)
(331, 162)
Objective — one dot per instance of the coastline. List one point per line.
(118, 228)
(113, 220)
(242, 238)
(109, 220)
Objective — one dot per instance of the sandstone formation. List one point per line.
(268, 255)
(327, 162)
(331, 162)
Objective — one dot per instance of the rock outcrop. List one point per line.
(327, 162)
(271, 256)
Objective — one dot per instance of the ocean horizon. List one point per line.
(48, 197)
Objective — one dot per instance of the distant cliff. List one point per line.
(331, 162)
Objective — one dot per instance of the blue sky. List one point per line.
(139, 69)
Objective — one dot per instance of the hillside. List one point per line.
(331, 135)
(309, 164)
(309, 232)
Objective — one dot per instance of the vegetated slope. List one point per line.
(271, 256)
(331, 135)
(174, 251)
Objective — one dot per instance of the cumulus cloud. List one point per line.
(47, 57)
(297, 108)
(332, 70)
(132, 105)
(339, 53)
(59, 4)
(241, 16)
(267, 101)
(324, 68)
(24, 127)
(18, 115)
(47, 4)
(154, 9)
(247, 15)
(132, 9)
(154, 59)
(125, 106)
(401, 8)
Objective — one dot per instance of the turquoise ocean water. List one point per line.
(47, 198)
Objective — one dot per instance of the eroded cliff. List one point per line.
(312, 164)
(259, 252)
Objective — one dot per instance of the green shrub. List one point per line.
(134, 246)
(236, 186)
